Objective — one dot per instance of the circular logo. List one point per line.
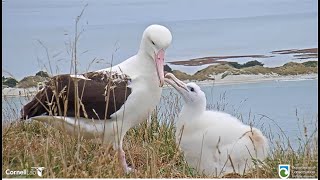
(284, 171)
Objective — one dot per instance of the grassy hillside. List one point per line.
(291, 68)
(31, 81)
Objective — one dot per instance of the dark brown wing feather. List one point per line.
(58, 96)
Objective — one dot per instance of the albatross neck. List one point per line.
(144, 64)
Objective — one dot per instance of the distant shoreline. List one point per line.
(308, 53)
(229, 80)
(246, 79)
(18, 92)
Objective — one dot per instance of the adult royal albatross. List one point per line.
(112, 100)
(214, 142)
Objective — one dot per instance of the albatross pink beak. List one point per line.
(159, 65)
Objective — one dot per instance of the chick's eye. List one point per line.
(192, 89)
(153, 43)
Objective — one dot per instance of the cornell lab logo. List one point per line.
(284, 171)
(39, 170)
(33, 171)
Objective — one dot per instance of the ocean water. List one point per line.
(199, 28)
(276, 107)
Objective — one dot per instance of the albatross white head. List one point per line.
(192, 94)
(155, 40)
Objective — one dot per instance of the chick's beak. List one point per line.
(176, 83)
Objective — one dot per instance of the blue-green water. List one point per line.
(267, 105)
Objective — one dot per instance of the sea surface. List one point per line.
(114, 29)
(279, 108)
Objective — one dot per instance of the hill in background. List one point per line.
(251, 67)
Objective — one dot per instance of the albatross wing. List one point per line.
(100, 95)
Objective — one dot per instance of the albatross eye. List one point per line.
(153, 43)
(192, 89)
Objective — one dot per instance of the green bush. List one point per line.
(247, 64)
(11, 82)
(235, 65)
(310, 64)
(252, 63)
(42, 74)
(167, 68)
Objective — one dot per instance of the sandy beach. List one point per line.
(244, 78)
(12, 92)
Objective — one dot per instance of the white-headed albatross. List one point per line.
(213, 142)
(134, 87)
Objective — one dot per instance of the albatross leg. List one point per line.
(122, 160)
(122, 156)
